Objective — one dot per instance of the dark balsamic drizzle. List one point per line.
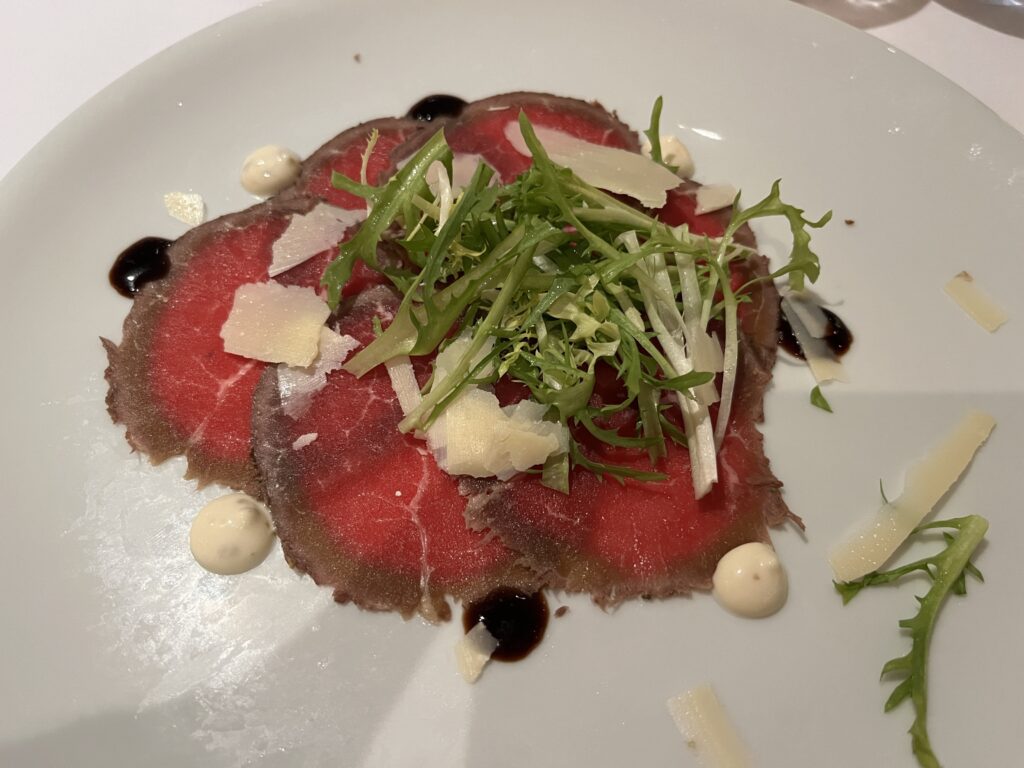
(140, 263)
(515, 619)
(436, 105)
(837, 335)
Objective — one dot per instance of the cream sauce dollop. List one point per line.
(231, 535)
(750, 581)
(270, 169)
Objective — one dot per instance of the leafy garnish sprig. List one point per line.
(948, 570)
(556, 277)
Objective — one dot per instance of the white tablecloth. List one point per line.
(55, 54)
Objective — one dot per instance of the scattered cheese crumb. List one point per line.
(311, 233)
(275, 323)
(303, 440)
(704, 723)
(872, 541)
(187, 207)
(473, 651)
(965, 292)
(714, 197)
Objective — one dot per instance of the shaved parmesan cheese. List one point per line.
(675, 153)
(810, 313)
(186, 206)
(403, 381)
(872, 541)
(714, 197)
(484, 440)
(298, 385)
(964, 291)
(463, 168)
(616, 170)
(303, 440)
(706, 726)
(824, 365)
(275, 323)
(449, 357)
(473, 651)
(311, 233)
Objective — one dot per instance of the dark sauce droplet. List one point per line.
(436, 105)
(517, 620)
(837, 335)
(140, 263)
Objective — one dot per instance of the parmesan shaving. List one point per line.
(823, 364)
(311, 233)
(483, 439)
(403, 381)
(704, 723)
(275, 323)
(473, 651)
(810, 313)
(298, 385)
(616, 170)
(965, 292)
(873, 540)
(186, 207)
(463, 168)
(714, 197)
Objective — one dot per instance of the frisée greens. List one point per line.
(556, 277)
(948, 571)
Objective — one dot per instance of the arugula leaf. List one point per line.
(818, 400)
(558, 277)
(947, 570)
(653, 132)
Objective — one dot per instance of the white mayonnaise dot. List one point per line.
(270, 169)
(673, 152)
(232, 534)
(750, 581)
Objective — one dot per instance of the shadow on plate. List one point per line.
(866, 14)
(1005, 16)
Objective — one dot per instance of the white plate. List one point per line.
(118, 650)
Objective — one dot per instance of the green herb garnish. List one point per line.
(948, 571)
(818, 400)
(556, 277)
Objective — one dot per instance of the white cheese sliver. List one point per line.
(810, 313)
(964, 291)
(463, 168)
(298, 385)
(873, 540)
(403, 381)
(823, 364)
(714, 197)
(187, 207)
(484, 440)
(706, 726)
(275, 323)
(673, 152)
(303, 440)
(473, 651)
(311, 233)
(616, 170)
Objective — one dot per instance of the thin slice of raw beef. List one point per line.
(171, 383)
(620, 540)
(363, 508)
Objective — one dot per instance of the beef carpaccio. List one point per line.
(364, 509)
